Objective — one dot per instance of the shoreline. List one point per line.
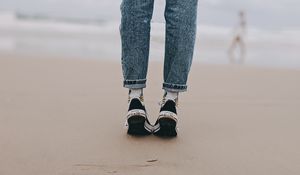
(41, 56)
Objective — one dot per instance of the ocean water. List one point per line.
(99, 39)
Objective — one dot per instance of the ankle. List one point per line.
(169, 95)
(135, 93)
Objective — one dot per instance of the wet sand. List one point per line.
(64, 116)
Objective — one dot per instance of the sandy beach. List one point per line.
(66, 117)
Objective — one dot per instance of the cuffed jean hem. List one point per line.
(134, 84)
(174, 87)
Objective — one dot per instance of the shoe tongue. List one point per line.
(169, 105)
(136, 103)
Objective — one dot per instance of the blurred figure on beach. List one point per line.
(238, 41)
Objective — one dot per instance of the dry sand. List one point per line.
(63, 117)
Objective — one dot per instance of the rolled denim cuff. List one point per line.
(134, 84)
(174, 87)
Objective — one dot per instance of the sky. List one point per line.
(266, 14)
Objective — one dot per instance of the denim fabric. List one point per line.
(180, 17)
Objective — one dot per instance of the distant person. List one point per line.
(238, 41)
(180, 17)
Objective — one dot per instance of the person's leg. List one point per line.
(231, 50)
(135, 37)
(181, 23)
(242, 51)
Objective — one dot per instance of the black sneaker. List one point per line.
(137, 119)
(166, 124)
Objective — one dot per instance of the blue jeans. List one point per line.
(180, 17)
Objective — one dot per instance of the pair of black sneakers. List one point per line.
(138, 123)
